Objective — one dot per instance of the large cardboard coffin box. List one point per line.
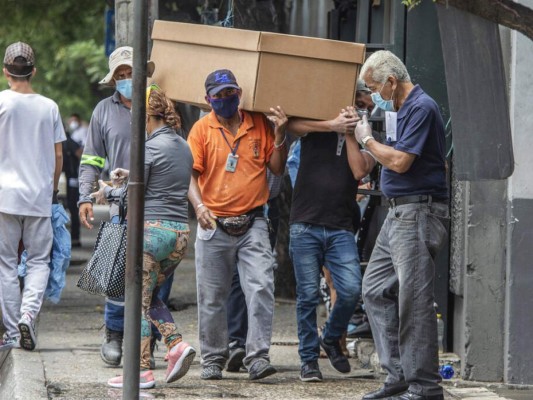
(308, 77)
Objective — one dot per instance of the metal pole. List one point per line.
(134, 255)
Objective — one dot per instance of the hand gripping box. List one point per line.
(308, 77)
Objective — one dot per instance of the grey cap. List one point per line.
(361, 86)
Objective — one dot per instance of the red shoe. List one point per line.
(146, 381)
(179, 360)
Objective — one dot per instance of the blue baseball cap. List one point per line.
(218, 80)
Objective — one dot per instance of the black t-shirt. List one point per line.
(325, 188)
(71, 162)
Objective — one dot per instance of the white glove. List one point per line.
(119, 176)
(362, 130)
(99, 196)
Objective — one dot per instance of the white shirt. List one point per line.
(79, 135)
(30, 126)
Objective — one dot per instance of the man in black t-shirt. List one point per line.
(322, 230)
(72, 151)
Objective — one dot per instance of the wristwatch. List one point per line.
(366, 139)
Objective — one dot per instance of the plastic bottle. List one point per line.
(440, 333)
(446, 371)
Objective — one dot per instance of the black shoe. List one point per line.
(153, 345)
(387, 390)
(414, 396)
(310, 372)
(337, 359)
(261, 369)
(236, 355)
(111, 351)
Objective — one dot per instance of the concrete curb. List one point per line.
(22, 378)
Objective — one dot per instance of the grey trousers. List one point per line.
(215, 262)
(398, 291)
(36, 234)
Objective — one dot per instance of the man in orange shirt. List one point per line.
(232, 150)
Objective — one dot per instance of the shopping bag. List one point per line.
(105, 273)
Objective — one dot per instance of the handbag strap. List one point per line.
(122, 207)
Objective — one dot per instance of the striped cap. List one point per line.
(19, 49)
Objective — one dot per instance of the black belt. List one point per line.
(257, 211)
(422, 198)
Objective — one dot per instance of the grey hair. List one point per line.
(383, 64)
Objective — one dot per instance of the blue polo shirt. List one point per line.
(420, 131)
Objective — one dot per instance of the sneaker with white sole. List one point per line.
(211, 373)
(310, 372)
(261, 369)
(7, 342)
(337, 359)
(28, 340)
(146, 381)
(180, 358)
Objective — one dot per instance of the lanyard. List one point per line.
(234, 149)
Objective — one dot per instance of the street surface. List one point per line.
(67, 363)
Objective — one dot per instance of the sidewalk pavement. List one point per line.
(67, 363)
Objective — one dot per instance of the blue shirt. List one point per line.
(420, 131)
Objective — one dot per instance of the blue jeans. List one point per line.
(114, 306)
(311, 247)
(398, 294)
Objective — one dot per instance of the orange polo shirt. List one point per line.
(226, 193)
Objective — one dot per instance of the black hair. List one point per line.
(19, 70)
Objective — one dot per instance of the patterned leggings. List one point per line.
(165, 243)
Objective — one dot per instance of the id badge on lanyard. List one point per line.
(231, 162)
(233, 158)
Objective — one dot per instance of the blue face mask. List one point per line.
(125, 88)
(225, 107)
(385, 105)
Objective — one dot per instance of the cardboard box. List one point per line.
(308, 77)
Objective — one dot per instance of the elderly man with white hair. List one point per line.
(398, 286)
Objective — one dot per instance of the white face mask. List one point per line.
(73, 125)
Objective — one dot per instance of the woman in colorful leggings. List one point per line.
(167, 174)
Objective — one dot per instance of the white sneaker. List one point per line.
(26, 325)
(7, 342)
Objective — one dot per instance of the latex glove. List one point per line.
(99, 196)
(119, 176)
(362, 130)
